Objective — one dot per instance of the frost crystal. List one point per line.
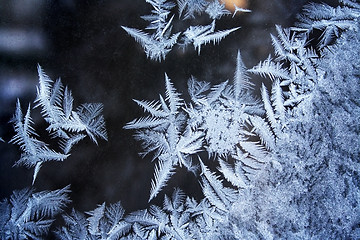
(161, 41)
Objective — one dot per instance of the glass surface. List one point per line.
(82, 43)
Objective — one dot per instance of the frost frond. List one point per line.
(34, 151)
(202, 35)
(163, 171)
(188, 8)
(31, 214)
(216, 10)
(215, 192)
(241, 79)
(271, 69)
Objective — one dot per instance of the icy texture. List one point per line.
(64, 123)
(29, 215)
(159, 41)
(287, 164)
(300, 180)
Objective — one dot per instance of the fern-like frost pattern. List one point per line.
(66, 124)
(158, 40)
(284, 166)
(29, 215)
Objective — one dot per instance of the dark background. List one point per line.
(83, 43)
